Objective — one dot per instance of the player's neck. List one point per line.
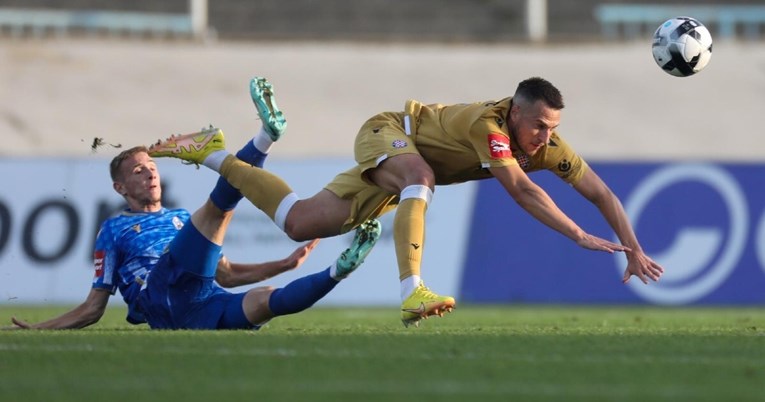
(152, 207)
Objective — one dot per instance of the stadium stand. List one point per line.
(37, 23)
(636, 19)
(387, 20)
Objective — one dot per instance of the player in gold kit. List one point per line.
(402, 156)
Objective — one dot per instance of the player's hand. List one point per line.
(642, 266)
(300, 254)
(596, 243)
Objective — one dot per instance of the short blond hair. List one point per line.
(114, 166)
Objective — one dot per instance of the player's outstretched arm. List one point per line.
(87, 313)
(535, 201)
(230, 274)
(638, 263)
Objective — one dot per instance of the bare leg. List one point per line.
(264, 303)
(255, 305)
(211, 222)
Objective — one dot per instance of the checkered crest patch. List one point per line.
(523, 161)
(399, 144)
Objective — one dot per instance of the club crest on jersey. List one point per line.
(564, 165)
(177, 223)
(399, 144)
(499, 146)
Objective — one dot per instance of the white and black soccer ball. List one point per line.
(682, 46)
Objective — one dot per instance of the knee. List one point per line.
(421, 173)
(256, 305)
(423, 176)
(305, 222)
(401, 171)
(294, 230)
(322, 215)
(259, 296)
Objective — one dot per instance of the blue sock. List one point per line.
(224, 195)
(301, 293)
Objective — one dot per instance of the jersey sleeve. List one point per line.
(491, 143)
(564, 161)
(105, 260)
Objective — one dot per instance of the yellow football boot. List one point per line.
(192, 148)
(423, 303)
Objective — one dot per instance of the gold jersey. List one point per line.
(460, 142)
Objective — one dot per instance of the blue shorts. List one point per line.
(180, 291)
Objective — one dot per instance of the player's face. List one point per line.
(533, 125)
(140, 183)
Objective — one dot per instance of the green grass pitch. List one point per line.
(477, 353)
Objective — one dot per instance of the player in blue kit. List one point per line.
(168, 265)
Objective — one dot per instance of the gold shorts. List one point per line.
(381, 137)
(368, 200)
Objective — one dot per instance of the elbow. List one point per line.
(225, 277)
(230, 276)
(225, 274)
(604, 198)
(296, 232)
(226, 282)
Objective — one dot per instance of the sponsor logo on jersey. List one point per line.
(98, 262)
(499, 146)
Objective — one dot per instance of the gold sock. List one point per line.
(264, 189)
(409, 235)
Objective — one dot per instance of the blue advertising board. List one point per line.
(704, 222)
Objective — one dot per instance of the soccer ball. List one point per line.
(682, 46)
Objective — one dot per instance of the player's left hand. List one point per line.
(300, 254)
(598, 244)
(642, 266)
